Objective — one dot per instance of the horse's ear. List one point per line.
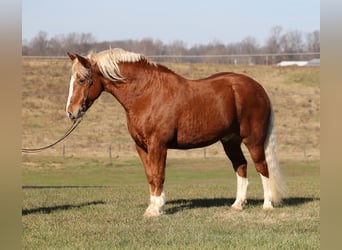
(84, 61)
(72, 56)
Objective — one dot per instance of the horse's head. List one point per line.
(84, 87)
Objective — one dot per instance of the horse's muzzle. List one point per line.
(75, 115)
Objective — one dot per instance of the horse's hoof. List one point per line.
(149, 214)
(152, 212)
(237, 207)
(267, 207)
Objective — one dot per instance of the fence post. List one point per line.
(204, 153)
(110, 152)
(63, 151)
(304, 151)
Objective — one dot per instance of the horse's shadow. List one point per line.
(50, 209)
(175, 206)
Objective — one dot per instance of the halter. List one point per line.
(90, 83)
(72, 128)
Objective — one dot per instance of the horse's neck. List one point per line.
(142, 83)
(130, 91)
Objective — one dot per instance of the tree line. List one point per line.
(283, 45)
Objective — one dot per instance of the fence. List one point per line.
(113, 150)
(266, 58)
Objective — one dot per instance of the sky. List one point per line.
(191, 21)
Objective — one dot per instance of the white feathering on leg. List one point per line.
(155, 207)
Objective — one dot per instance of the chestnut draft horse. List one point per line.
(165, 110)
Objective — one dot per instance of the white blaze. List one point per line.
(71, 89)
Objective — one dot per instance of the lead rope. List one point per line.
(35, 150)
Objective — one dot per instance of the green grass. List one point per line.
(305, 77)
(107, 214)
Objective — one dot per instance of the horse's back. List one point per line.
(247, 93)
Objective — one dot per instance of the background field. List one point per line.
(295, 93)
(105, 209)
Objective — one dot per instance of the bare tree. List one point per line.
(57, 46)
(278, 42)
(85, 41)
(249, 46)
(273, 44)
(274, 40)
(313, 41)
(39, 44)
(292, 42)
(216, 47)
(147, 47)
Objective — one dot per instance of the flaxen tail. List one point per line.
(277, 183)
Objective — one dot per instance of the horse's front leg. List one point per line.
(154, 163)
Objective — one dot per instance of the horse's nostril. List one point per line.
(70, 115)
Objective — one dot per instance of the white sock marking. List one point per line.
(241, 193)
(267, 192)
(156, 203)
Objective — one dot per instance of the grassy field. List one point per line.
(105, 210)
(75, 197)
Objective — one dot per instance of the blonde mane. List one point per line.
(108, 63)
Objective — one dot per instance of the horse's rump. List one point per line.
(219, 106)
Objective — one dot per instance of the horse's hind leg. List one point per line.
(258, 156)
(232, 148)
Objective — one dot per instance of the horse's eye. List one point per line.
(81, 81)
